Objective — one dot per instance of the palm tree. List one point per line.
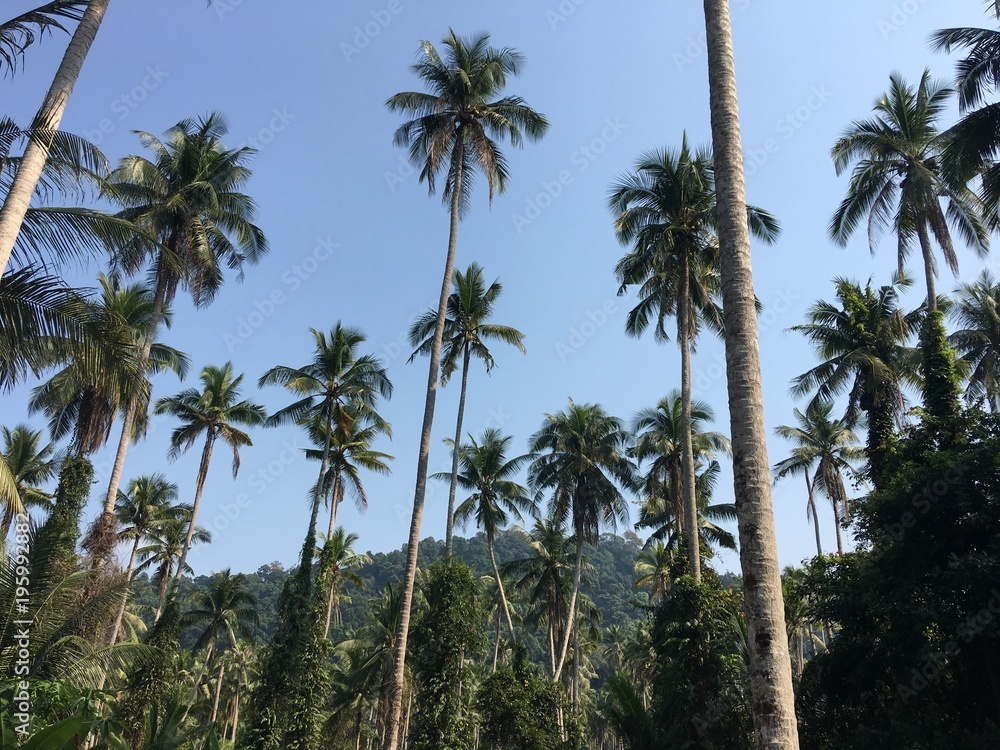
(666, 211)
(770, 668)
(141, 509)
(862, 344)
(214, 411)
(46, 123)
(978, 341)
(343, 562)
(338, 393)
(225, 610)
(30, 465)
(165, 546)
(827, 447)
(85, 396)
(466, 332)
(188, 198)
(654, 569)
(453, 131)
(900, 179)
(487, 472)
(580, 454)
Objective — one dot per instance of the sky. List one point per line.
(355, 237)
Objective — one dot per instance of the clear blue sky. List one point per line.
(355, 237)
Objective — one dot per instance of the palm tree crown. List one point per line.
(978, 340)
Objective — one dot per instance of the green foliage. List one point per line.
(700, 690)
(913, 664)
(446, 640)
(59, 534)
(519, 710)
(938, 368)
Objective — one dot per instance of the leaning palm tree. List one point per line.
(46, 123)
(900, 180)
(214, 412)
(337, 399)
(454, 131)
(977, 311)
(466, 333)
(580, 454)
(146, 504)
(828, 448)
(188, 199)
(862, 342)
(30, 464)
(770, 668)
(665, 210)
(487, 472)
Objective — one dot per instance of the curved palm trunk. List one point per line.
(46, 122)
(206, 457)
(503, 596)
(687, 450)
(773, 700)
(218, 692)
(571, 620)
(409, 574)
(450, 530)
(197, 682)
(128, 580)
(815, 515)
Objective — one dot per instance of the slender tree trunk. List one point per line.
(450, 530)
(927, 252)
(815, 514)
(773, 700)
(576, 671)
(206, 457)
(236, 711)
(571, 624)
(687, 450)
(496, 647)
(333, 580)
(164, 580)
(503, 596)
(218, 692)
(552, 646)
(836, 522)
(128, 580)
(410, 571)
(197, 682)
(47, 121)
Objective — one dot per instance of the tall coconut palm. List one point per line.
(770, 668)
(580, 454)
(214, 412)
(666, 211)
(338, 396)
(455, 128)
(466, 333)
(900, 180)
(487, 472)
(146, 504)
(46, 123)
(828, 448)
(188, 198)
(30, 464)
(862, 344)
(85, 396)
(343, 562)
(225, 611)
(165, 545)
(977, 311)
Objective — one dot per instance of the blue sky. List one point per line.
(354, 236)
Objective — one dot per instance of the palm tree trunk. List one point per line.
(503, 596)
(496, 647)
(236, 712)
(773, 700)
(410, 571)
(206, 457)
(450, 530)
(128, 580)
(333, 579)
(927, 252)
(571, 623)
(164, 580)
(836, 520)
(687, 450)
(940, 387)
(576, 671)
(552, 645)
(47, 121)
(218, 692)
(197, 682)
(815, 516)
